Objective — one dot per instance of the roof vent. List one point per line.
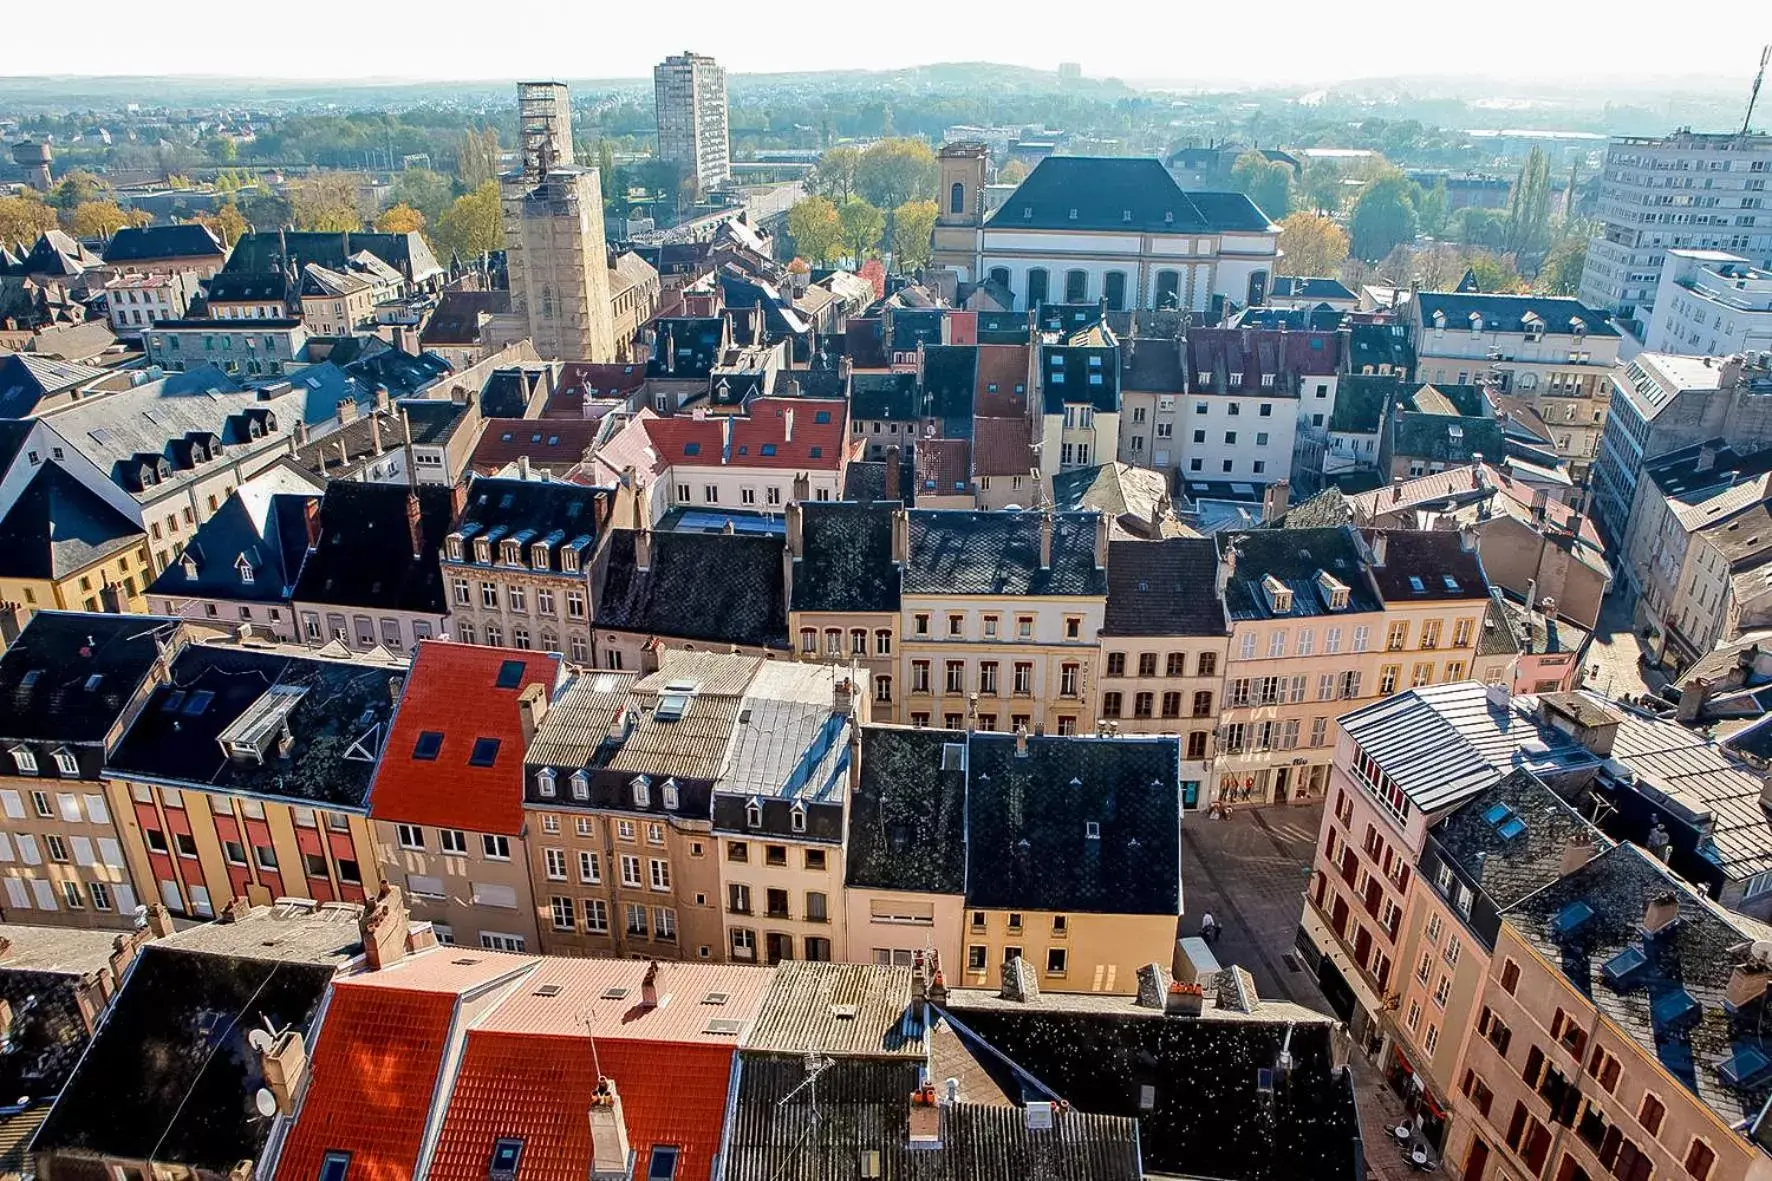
(1039, 1116)
(845, 1012)
(715, 998)
(724, 1026)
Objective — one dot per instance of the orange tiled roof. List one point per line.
(538, 1088)
(682, 1015)
(452, 690)
(763, 425)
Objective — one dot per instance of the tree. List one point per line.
(816, 229)
(834, 177)
(76, 188)
(894, 171)
(24, 219)
(1323, 190)
(1431, 205)
(1495, 274)
(225, 223)
(474, 224)
(476, 158)
(1266, 182)
(427, 192)
(101, 219)
(326, 201)
(265, 209)
(1313, 245)
(1484, 228)
(1561, 273)
(1012, 173)
(400, 219)
(862, 225)
(913, 227)
(1383, 217)
(1528, 211)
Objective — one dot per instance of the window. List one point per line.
(495, 847)
(555, 862)
(1055, 961)
(412, 836)
(630, 871)
(663, 1165)
(590, 868)
(738, 898)
(452, 840)
(660, 872)
(1700, 1159)
(596, 916)
(976, 954)
(1510, 976)
(1650, 1114)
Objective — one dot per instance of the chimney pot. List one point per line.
(1578, 850)
(1661, 913)
(649, 986)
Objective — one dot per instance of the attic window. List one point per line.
(334, 1166)
(797, 817)
(428, 744)
(953, 756)
(642, 791)
(1126, 215)
(1416, 585)
(1571, 918)
(753, 815)
(1168, 217)
(510, 674)
(1279, 595)
(715, 998)
(615, 994)
(507, 1154)
(198, 702)
(581, 785)
(725, 1026)
(485, 752)
(1073, 215)
(768, 449)
(1092, 830)
(94, 681)
(1450, 582)
(821, 416)
(544, 782)
(670, 794)
(549, 990)
(663, 1166)
(692, 448)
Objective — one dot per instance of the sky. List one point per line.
(1209, 44)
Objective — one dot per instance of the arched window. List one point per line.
(1113, 288)
(957, 198)
(1257, 288)
(1168, 289)
(1076, 286)
(1000, 276)
(1038, 284)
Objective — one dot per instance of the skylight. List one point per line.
(1572, 918)
(506, 1155)
(1618, 969)
(1745, 1068)
(1674, 1005)
(510, 674)
(198, 702)
(485, 752)
(428, 744)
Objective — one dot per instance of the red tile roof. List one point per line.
(549, 443)
(1002, 447)
(1006, 367)
(580, 380)
(763, 425)
(943, 467)
(538, 1088)
(452, 691)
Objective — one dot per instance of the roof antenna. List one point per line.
(585, 1018)
(1754, 94)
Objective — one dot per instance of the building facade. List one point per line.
(690, 93)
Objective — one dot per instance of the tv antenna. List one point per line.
(1753, 95)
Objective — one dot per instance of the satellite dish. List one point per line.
(260, 1040)
(265, 1102)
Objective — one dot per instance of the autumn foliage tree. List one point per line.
(816, 229)
(474, 224)
(1312, 245)
(326, 201)
(23, 219)
(400, 219)
(225, 223)
(913, 229)
(862, 226)
(101, 219)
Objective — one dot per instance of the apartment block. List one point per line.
(844, 592)
(690, 93)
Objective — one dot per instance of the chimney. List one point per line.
(284, 1066)
(649, 986)
(843, 698)
(1227, 568)
(1692, 697)
(375, 434)
(802, 486)
(1467, 539)
(1661, 913)
(1021, 742)
(415, 523)
(532, 707)
(523, 467)
(788, 425)
(611, 1159)
(238, 907)
(1184, 1000)
(1531, 594)
(894, 474)
(643, 548)
(924, 1127)
(796, 546)
(1380, 544)
(1396, 489)
(1747, 984)
(384, 928)
(1578, 850)
(1707, 458)
(381, 397)
(1275, 499)
(1102, 532)
(901, 535)
(1019, 981)
(159, 920)
(1046, 541)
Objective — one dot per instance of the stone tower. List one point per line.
(961, 200)
(555, 249)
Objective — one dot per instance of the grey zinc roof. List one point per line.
(26, 379)
(1508, 313)
(787, 741)
(1441, 744)
(840, 1010)
(958, 551)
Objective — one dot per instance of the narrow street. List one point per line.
(1614, 665)
(1250, 872)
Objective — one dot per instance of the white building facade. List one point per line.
(1710, 303)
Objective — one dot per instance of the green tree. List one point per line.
(101, 219)
(1495, 274)
(264, 209)
(834, 177)
(1383, 217)
(1484, 228)
(1431, 206)
(76, 188)
(425, 191)
(1012, 173)
(894, 171)
(1323, 190)
(1561, 273)
(1266, 182)
(816, 229)
(400, 219)
(23, 219)
(1312, 245)
(862, 226)
(474, 224)
(476, 157)
(913, 228)
(1528, 211)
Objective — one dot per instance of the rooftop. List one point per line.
(1298, 558)
(371, 553)
(956, 551)
(660, 593)
(1511, 313)
(838, 1010)
(58, 526)
(845, 561)
(1157, 588)
(252, 549)
(70, 676)
(907, 821)
(1510, 838)
(1120, 195)
(784, 433)
(1427, 566)
(576, 997)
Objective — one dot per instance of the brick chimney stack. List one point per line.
(384, 927)
(609, 1135)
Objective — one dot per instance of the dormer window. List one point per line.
(1476, 323)
(246, 571)
(65, 762)
(544, 782)
(511, 552)
(454, 544)
(581, 784)
(753, 814)
(24, 760)
(1073, 215)
(1237, 380)
(1333, 590)
(189, 566)
(569, 560)
(538, 556)
(483, 551)
(642, 786)
(797, 817)
(1027, 213)
(669, 792)
(1279, 595)
(1126, 216)
(1169, 217)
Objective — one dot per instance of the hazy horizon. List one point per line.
(1142, 43)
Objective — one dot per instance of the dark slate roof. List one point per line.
(433, 421)
(1376, 345)
(1027, 845)
(26, 379)
(535, 512)
(1431, 437)
(246, 287)
(1080, 374)
(45, 673)
(960, 551)
(865, 341)
(1437, 560)
(1164, 588)
(366, 556)
(1328, 509)
(845, 561)
(58, 526)
(670, 598)
(950, 373)
(1306, 287)
(170, 1077)
(271, 535)
(1295, 556)
(338, 723)
(915, 326)
(509, 392)
(406, 253)
(1152, 364)
(457, 318)
(781, 1127)
(1671, 1003)
(907, 819)
(154, 243)
(1208, 1119)
(1321, 318)
(46, 1035)
(889, 397)
(400, 371)
(1507, 313)
(1098, 192)
(1361, 402)
(685, 347)
(865, 479)
(1004, 327)
(1479, 840)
